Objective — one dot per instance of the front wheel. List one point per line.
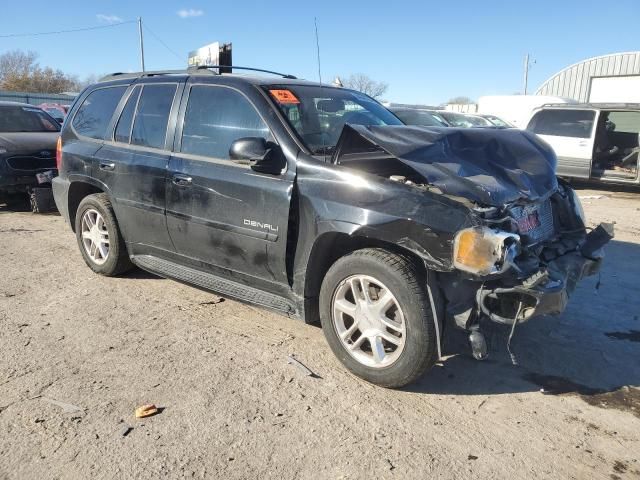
(376, 317)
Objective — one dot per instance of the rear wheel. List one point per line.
(376, 317)
(99, 238)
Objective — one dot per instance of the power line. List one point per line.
(11, 35)
(144, 25)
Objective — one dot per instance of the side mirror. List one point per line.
(262, 156)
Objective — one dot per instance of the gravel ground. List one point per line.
(80, 352)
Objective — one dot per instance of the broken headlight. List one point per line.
(484, 251)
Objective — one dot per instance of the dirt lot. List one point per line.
(234, 407)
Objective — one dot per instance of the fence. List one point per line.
(36, 98)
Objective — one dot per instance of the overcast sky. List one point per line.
(426, 51)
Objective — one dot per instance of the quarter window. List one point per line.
(123, 129)
(94, 115)
(152, 116)
(215, 118)
(563, 123)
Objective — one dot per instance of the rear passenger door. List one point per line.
(221, 214)
(133, 164)
(571, 135)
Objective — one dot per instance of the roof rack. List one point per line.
(233, 67)
(200, 69)
(152, 73)
(602, 105)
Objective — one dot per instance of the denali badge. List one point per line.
(266, 226)
(45, 153)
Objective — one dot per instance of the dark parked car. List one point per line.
(27, 152)
(415, 116)
(318, 203)
(466, 120)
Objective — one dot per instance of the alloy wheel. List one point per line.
(95, 236)
(368, 321)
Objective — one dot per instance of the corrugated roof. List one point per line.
(575, 80)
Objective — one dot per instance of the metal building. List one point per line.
(608, 78)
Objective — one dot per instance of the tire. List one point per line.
(116, 260)
(397, 274)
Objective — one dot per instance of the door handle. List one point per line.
(582, 143)
(109, 166)
(182, 180)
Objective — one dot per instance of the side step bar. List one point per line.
(211, 282)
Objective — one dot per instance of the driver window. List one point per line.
(215, 118)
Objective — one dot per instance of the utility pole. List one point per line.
(527, 64)
(142, 43)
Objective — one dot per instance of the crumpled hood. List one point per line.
(28, 142)
(488, 166)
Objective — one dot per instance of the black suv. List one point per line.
(319, 203)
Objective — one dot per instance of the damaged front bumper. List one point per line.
(543, 290)
(544, 293)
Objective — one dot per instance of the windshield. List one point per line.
(416, 117)
(26, 119)
(319, 113)
(467, 121)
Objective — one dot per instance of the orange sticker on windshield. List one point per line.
(284, 96)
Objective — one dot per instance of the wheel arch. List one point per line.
(78, 190)
(327, 249)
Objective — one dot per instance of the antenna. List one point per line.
(315, 21)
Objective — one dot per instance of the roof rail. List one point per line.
(233, 67)
(150, 73)
(200, 69)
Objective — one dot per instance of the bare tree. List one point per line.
(19, 71)
(365, 84)
(86, 81)
(460, 100)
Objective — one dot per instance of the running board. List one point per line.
(207, 281)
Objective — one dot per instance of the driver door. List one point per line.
(222, 215)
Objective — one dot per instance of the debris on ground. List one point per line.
(126, 430)
(66, 407)
(291, 360)
(591, 197)
(146, 410)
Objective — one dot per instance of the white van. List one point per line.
(592, 141)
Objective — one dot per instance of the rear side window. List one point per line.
(627, 122)
(152, 116)
(94, 115)
(563, 123)
(123, 129)
(215, 118)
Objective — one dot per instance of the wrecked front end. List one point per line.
(528, 244)
(524, 261)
